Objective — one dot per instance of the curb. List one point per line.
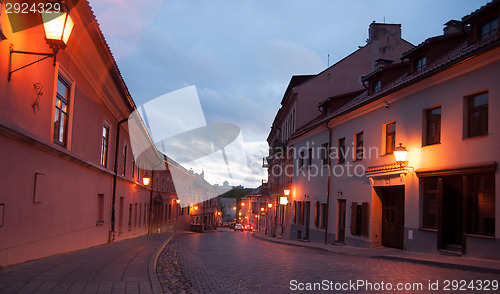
(153, 278)
(291, 244)
(471, 268)
(440, 264)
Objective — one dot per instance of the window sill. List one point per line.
(430, 145)
(475, 137)
(428, 230)
(99, 223)
(488, 237)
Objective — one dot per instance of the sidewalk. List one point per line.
(456, 262)
(126, 266)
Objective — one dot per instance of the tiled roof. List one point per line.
(381, 168)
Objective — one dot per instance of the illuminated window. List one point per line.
(104, 145)
(390, 137)
(61, 111)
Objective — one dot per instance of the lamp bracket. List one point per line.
(12, 51)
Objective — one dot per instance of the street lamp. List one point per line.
(177, 201)
(270, 205)
(400, 154)
(286, 192)
(146, 180)
(57, 26)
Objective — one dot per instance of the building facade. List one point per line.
(438, 99)
(70, 178)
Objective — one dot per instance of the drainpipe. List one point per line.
(113, 201)
(328, 185)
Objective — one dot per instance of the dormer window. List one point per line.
(419, 63)
(375, 86)
(489, 28)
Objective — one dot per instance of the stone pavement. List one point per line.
(453, 262)
(126, 266)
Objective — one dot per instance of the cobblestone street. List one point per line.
(235, 262)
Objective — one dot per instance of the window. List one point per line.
(124, 168)
(317, 213)
(120, 217)
(477, 115)
(61, 111)
(104, 145)
(2, 212)
(481, 204)
(430, 203)
(309, 157)
(299, 213)
(324, 213)
(359, 146)
(359, 219)
(130, 217)
(390, 137)
(341, 155)
(489, 28)
(419, 63)
(376, 86)
(100, 211)
(324, 154)
(301, 159)
(433, 126)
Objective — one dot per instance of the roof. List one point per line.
(469, 18)
(295, 81)
(457, 55)
(383, 168)
(431, 40)
(114, 71)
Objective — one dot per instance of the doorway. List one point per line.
(341, 204)
(393, 203)
(452, 214)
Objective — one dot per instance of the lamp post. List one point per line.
(58, 26)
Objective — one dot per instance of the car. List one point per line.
(248, 227)
(238, 227)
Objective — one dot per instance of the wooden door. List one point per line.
(393, 217)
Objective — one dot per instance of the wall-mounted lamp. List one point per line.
(146, 181)
(58, 26)
(270, 205)
(195, 207)
(286, 192)
(400, 154)
(262, 209)
(242, 203)
(177, 201)
(283, 200)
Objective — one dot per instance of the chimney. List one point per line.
(378, 31)
(452, 27)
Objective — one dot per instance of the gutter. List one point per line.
(115, 175)
(330, 130)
